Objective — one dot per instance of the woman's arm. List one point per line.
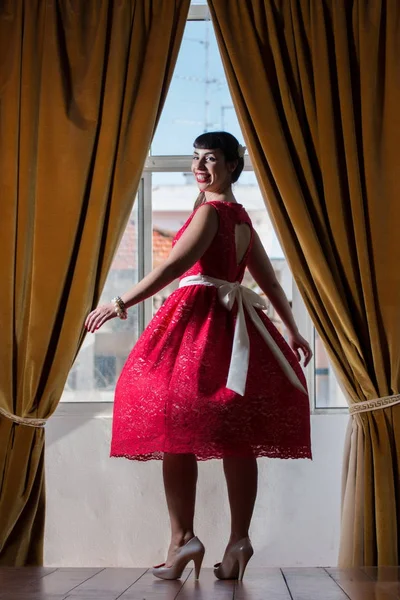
(189, 249)
(263, 272)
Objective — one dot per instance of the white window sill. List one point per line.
(101, 410)
(93, 410)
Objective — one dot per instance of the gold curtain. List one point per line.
(316, 86)
(82, 84)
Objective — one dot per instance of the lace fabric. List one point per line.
(171, 395)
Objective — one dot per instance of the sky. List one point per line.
(194, 106)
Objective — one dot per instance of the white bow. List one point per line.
(228, 292)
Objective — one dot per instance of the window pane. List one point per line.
(328, 393)
(173, 197)
(198, 98)
(103, 354)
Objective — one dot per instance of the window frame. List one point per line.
(199, 12)
(171, 164)
(181, 163)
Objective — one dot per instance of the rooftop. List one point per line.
(126, 256)
(173, 198)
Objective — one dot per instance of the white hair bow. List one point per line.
(241, 150)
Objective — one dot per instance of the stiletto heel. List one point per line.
(243, 559)
(235, 561)
(192, 550)
(197, 564)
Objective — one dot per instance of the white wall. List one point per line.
(111, 512)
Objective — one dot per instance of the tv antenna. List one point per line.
(207, 80)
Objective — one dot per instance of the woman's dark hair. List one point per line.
(228, 144)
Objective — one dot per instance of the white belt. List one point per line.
(229, 292)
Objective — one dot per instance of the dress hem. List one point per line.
(158, 455)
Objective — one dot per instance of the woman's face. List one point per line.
(212, 172)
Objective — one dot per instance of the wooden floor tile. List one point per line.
(17, 580)
(387, 578)
(312, 584)
(207, 586)
(262, 583)
(358, 586)
(149, 587)
(288, 583)
(108, 584)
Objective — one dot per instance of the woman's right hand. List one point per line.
(99, 316)
(296, 342)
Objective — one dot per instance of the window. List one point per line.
(198, 100)
(328, 393)
(103, 354)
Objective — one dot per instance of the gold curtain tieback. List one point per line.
(22, 421)
(368, 405)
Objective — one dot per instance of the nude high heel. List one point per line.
(192, 550)
(235, 561)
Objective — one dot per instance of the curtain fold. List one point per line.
(82, 85)
(316, 86)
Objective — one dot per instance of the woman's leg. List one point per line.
(241, 479)
(180, 479)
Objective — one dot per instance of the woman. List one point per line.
(211, 376)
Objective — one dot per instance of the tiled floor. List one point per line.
(316, 583)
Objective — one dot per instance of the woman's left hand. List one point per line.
(296, 342)
(99, 316)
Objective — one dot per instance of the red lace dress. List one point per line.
(171, 395)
